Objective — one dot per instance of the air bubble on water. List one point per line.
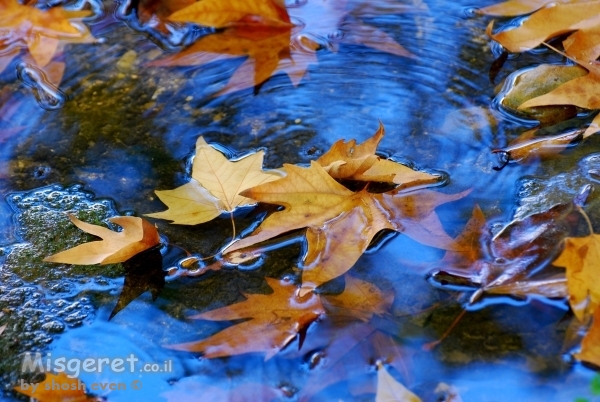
(47, 94)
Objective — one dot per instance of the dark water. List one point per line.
(122, 131)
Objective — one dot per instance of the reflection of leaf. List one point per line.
(390, 390)
(276, 320)
(346, 160)
(341, 223)
(262, 33)
(137, 235)
(41, 31)
(69, 392)
(215, 186)
(142, 272)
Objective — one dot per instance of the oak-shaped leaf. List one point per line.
(40, 31)
(341, 223)
(390, 390)
(215, 186)
(346, 160)
(71, 391)
(137, 235)
(275, 320)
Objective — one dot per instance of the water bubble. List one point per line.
(47, 94)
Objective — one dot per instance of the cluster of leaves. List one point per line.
(577, 87)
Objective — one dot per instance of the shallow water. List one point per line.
(127, 129)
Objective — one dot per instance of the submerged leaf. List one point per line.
(390, 390)
(137, 235)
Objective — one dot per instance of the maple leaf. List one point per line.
(590, 344)
(360, 299)
(215, 186)
(137, 235)
(346, 160)
(263, 33)
(342, 223)
(276, 320)
(580, 259)
(390, 390)
(45, 393)
(40, 31)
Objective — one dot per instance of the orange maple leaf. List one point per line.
(276, 320)
(340, 222)
(263, 33)
(65, 389)
(41, 32)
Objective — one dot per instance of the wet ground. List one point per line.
(123, 129)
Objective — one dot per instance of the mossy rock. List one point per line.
(536, 82)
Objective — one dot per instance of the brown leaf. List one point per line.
(547, 23)
(137, 235)
(276, 320)
(44, 392)
(590, 345)
(360, 299)
(346, 160)
(513, 8)
(341, 223)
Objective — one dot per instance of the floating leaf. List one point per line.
(137, 235)
(390, 390)
(71, 389)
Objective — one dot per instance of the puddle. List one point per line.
(116, 129)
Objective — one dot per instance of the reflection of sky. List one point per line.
(436, 111)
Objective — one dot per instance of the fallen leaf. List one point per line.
(580, 258)
(346, 160)
(549, 22)
(222, 13)
(513, 8)
(555, 287)
(2, 328)
(275, 321)
(41, 31)
(341, 223)
(263, 33)
(75, 391)
(137, 235)
(590, 345)
(215, 186)
(390, 390)
(360, 299)
(529, 148)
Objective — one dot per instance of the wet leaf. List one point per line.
(390, 390)
(346, 160)
(41, 31)
(580, 258)
(215, 186)
(513, 8)
(342, 223)
(549, 22)
(360, 299)
(137, 235)
(263, 33)
(590, 345)
(142, 272)
(555, 287)
(275, 320)
(45, 393)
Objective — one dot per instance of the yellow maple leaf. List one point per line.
(580, 258)
(137, 235)
(215, 186)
